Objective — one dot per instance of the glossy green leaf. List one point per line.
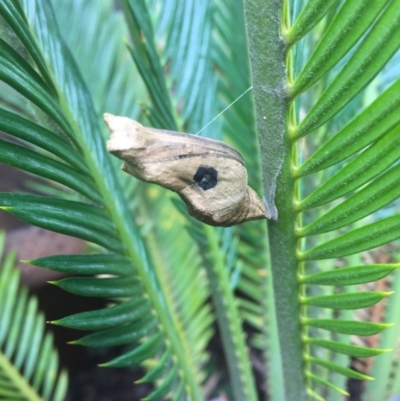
(93, 264)
(37, 333)
(338, 40)
(360, 239)
(165, 387)
(30, 161)
(380, 192)
(350, 275)
(17, 73)
(348, 326)
(25, 348)
(61, 388)
(346, 301)
(101, 287)
(9, 289)
(352, 350)
(379, 45)
(338, 369)
(11, 12)
(126, 334)
(179, 392)
(24, 129)
(373, 122)
(67, 217)
(376, 159)
(148, 349)
(146, 59)
(125, 312)
(326, 383)
(312, 12)
(157, 371)
(151, 85)
(18, 314)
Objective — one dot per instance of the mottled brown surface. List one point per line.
(209, 175)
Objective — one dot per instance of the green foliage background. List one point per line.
(325, 81)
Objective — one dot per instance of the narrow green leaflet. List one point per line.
(146, 59)
(14, 16)
(33, 133)
(348, 326)
(326, 383)
(352, 350)
(380, 192)
(339, 369)
(118, 287)
(337, 40)
(16, 72)
(376, 159)
(66, 217)
(93, 264)
(125, 334)
(156, 371)
(350, 275)
(311, 14)
(346, 301)
(123, 313)
(360, 239)
(45, 167)
(29, 368)
(150, 348)
(164, 387)
(373, 122)
(380, 44)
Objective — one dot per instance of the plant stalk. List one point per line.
(267, 56)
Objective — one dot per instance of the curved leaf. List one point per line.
(310, 15)
(373, 122)
(86, 264)
(352, 350)
(366, 166)
(34, 163)
(337, 40)
(346, 301)
(165, 386)
(339, 369)
(101, 287)
(348, 326)
(380, 192)
(379, 45)
(126, 334)
(29, 368)
(350, 275)
(360, 239)
(67, 217)
(35, 134)
(125, 312)
(139, 354)
(17, 73)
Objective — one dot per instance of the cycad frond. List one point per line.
(329, 196)
(101, 214)
(29, 368)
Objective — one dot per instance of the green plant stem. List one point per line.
(267, 55)
(158, 264)
(229, 322)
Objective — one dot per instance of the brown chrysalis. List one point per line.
(208, 175)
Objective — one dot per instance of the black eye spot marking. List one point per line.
(206, 177)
